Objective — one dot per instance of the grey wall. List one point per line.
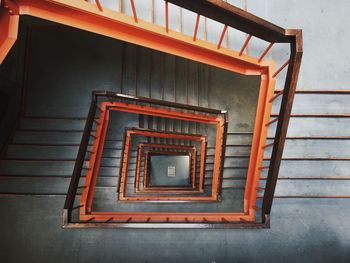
(310, 214)
(326, 58)
(61, 85)
(11, 83)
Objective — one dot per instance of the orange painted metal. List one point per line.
(90, 182)
(196, 28)
(134, 10)
(280, 69)
(222, 36)
(165, 153)
(259, 140)
(99, 6)
(95, 160)
(268, 145)
(9, 20)
(276, 96)
(177, 136)
(166, 16)
(159, 112)
(265, 52)
(141, 146)
(167, 216)
(147, 187)
(217, 157)
(138, 168)
(157, 216)
(271, 121)
(193, 168)
(245, 44)
(87, 16)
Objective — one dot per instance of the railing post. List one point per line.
(73, 186)
(283, 120)
(223, 153)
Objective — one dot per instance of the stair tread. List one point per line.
(51, 124)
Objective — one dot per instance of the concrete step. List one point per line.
(36, 168)
(32, 152)
(56, 124)
(48, 168)
(47, 137)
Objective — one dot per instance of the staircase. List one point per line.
(40, 161)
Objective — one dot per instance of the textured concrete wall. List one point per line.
(324, 23)
(310, 214)
(11, 82)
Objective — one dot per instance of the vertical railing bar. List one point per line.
(166, 16)
(196, 27)
(246, 9)
(281, 68)
(72, 190)
(263, 168)
(222, 37)
(224, 220)
(121, 162)
(109, 219)
(276, 96)
(265, 52)
(78, 206)
(89, 220)
(227, 37)
(245, 44)
(99, 6)
(267, 145)
(272, 121)
(223, 153)
(134, 10)
(296, 48)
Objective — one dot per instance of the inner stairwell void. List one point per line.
(177, 89)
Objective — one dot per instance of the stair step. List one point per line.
(48, 168)
(37, 185)
(237, 150)
(42, 152)
(239, 139)
(53, 152)
(36, 168)
(47, 137)
(59, 124)
(231, 200)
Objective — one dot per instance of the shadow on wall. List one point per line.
(9, 109)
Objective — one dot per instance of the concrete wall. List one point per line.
(310, 214)
(326, 58)
(11, 83)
